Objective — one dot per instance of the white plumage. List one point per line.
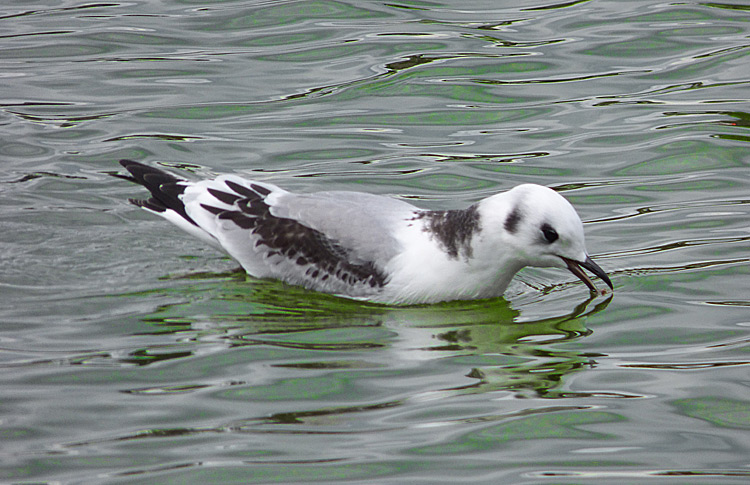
(369, 246)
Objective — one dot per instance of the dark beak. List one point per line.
(575, 268)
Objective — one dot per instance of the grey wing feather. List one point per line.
(361, 223)
(338, 242)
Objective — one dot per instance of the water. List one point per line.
(131, 353)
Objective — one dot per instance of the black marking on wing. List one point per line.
(165, 188)
(224, 197)
(511, 222)
(300, 244)
(252, 192)
(453, 229)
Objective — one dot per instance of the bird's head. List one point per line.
(542, 228)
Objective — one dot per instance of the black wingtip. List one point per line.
(132, 165)
(124, 177)
(146, 175)
(165, 188)
(126, 162)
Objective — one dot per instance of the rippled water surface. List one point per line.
(132, 353)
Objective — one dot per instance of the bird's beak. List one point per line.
(575, 268)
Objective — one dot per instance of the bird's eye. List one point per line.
(550, 235)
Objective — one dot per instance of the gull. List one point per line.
(372, 247)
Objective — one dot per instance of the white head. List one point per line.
(542, 228)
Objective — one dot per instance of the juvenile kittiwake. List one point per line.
(373, 247)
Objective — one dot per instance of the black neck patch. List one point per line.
(453, 229)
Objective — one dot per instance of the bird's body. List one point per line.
(369, 246)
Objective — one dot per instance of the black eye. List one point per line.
(550, 235)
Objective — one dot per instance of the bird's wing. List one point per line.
(338, 242)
